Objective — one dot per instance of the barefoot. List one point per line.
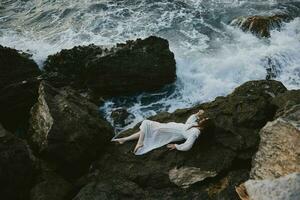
(119, 140)
(137, 147)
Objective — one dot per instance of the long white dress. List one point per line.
(159, 134)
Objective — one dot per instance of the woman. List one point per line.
(153, 134)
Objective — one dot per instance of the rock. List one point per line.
(260, 25)
(50, 187)
(221, 157)
(15, 67)
(16, 100)
(136, 66)
(114, 189)
(224, 188)
(186, 176)
(286, 187)
(18, 88)
(16, 167)
(285, 101)
(67, 129)
(279, 148)
(121, 117)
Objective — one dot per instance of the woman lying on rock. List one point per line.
(153, 134)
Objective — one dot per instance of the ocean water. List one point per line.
(212, 57)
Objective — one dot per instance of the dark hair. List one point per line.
(205, 124)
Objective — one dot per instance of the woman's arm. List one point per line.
(191, 119)
(188, 144)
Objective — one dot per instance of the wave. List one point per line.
(212, 57)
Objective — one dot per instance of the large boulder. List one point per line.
(15, 67)
(260, 25)
(50, 186)
(136, 66)
(276, 164)
(67, 130)
(18, 88)
(282, 188)
(279, 148)
(16, 167)
(219, 160)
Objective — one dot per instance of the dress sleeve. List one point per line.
(191, 119)
(187, 145)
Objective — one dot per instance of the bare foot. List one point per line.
(119, 140)
(137, 147)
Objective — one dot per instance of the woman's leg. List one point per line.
(140, 141)
(134, 136)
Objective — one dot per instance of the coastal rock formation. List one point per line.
(219, 160)
(18, 88)
(282, 188)
(50, 186)
(276, 164)
(67, 130)
(136, 66)
(15, 67)
(121, 117)
(279, 149)
(260, 25)
(16, 167)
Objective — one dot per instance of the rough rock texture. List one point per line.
(260, 25)
(50, 186)
(226, 149)
(67, 130)
(279, 149)
(18, 88)
(278, 155)
(121, 117)
(15, 67)
(186, 176)
(285, 101)
(16, 167)
(135, 66)
(283, 188)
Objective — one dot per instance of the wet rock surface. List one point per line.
(224, 150)
(135, 66)
(260, 25)
(17, 168)
(66, 129)
(121, 117)
(18, 89)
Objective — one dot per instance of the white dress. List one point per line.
(159, 134)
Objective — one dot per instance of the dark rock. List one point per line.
(285, 101)
(136, 66)
(66, 129)
(18, 88)
(16, 100)
(220, 151)
(16, 167)
(15, 67)
(260, 25)
(121, 117)
(50, 186)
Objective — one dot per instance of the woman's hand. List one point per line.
(171, 146)
(200, 113)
